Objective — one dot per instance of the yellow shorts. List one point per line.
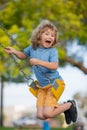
(45, 97)
(48, 95)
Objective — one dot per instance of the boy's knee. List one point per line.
(47, 114)
(40, 116)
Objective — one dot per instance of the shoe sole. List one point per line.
(67, 117)
(73, 111)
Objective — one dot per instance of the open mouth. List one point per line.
(48, 41)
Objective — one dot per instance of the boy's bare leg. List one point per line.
(40, 113)
(51, 111)
(45, 113)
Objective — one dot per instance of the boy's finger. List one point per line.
(7, 48)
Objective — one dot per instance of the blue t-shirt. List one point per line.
(43, 74)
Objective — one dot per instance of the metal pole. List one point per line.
(46, 125)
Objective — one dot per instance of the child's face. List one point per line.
(47, 38)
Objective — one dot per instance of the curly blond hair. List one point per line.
(36, 34)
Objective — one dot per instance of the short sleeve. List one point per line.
(27, 51)
(54, 55)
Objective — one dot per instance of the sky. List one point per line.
(18, 94)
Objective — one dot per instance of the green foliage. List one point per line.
(61, 53)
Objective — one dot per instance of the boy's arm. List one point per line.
(49, 65)
(19, 54)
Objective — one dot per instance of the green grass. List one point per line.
(68, 128)
(4, 128)
(9, 128)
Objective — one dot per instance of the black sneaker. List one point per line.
(73, 111)
(67, 117)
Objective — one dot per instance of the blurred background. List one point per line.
(18, 18)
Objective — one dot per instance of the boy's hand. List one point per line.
(9, 50)
(34, 61)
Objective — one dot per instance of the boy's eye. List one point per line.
(46, 33)
(52, 36)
